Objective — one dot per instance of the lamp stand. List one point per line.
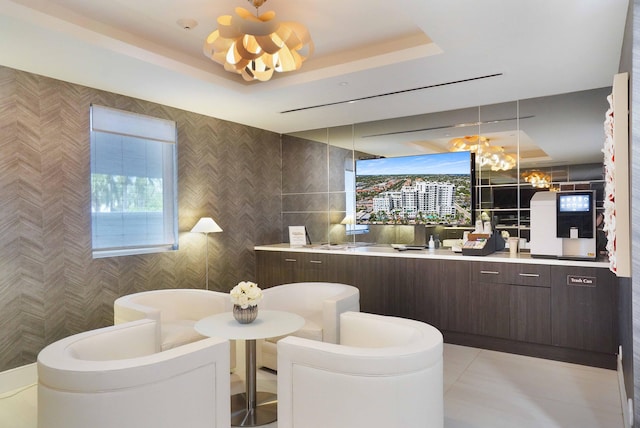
(206, 225)
(206, 260)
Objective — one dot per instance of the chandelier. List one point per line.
(486, 154)
(256, 46)
(537, 179)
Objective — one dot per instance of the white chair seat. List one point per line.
(175, 311)
(178, 332)
(310, 330)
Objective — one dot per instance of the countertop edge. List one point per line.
(441, 254)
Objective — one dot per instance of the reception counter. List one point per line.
(558, 309)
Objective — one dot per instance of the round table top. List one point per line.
(267, 324)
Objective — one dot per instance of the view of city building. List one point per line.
(440, 195)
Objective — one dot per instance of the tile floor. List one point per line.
(483, 389)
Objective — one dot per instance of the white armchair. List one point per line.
(113, 377)
(176, 311)
(386, 372)
(319, 303)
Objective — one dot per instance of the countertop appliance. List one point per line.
(563, 225)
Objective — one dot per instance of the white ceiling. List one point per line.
(362, 49)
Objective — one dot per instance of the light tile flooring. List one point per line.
(483, 389)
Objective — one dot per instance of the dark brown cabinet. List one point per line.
(530, 314)
(275, 267)
(283, 267)
(455, 296)
(561, 312)
(489, 309)
(583, 308)
(386, 285)
(511, 301)
(428, 291)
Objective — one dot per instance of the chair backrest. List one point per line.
(319, 302)
(368, 331)
(308, 296)
(182, 304)
(106, 378)
(392, 367)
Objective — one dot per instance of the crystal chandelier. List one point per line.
(256, 46)
(486, 154)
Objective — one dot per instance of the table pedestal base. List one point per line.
(265, 412)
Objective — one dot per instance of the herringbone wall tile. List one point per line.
(50, 286)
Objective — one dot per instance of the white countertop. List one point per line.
(441, 253)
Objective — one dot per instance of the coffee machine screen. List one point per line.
(575, 215)
(574, 203)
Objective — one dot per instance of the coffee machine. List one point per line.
(563, 225)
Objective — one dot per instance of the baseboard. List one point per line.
(550, 352)
(627, 409)
(18, 378)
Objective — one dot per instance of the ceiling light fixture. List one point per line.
(486, 154)
(256, 46)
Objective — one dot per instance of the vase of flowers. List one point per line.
(245, 297)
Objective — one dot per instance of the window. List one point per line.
(133, 183)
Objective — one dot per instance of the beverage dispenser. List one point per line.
(563, 225)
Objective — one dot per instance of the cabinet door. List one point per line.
(454, 277)
(386, 285)
(340, 268)
(275, 267)
(530, 314)
(489, 309)
(309, 267)
(428, 292)
(584, 305)
(524, 290)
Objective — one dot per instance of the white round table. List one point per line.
(251, 408)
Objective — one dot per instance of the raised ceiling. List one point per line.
(530, 48)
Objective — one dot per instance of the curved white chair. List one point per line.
(319, 303)
(113, 377)
(386, 372)
(176, 311)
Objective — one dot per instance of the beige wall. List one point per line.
(50, 287)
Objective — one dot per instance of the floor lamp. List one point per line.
(206, 225)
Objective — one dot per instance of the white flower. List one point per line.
(610, 186)
(246, 294)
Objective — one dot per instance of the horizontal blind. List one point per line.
(133, 183)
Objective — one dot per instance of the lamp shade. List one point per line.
(348, 219)
(206, 225)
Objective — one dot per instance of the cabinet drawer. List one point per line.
(511, 273)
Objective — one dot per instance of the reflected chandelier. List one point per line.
(537, 179)
(486, 154)
(256, 46)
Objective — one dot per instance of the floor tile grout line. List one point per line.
(486, 353)
(464, 370)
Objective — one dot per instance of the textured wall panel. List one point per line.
(50, 286)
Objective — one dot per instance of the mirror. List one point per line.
(523, 146)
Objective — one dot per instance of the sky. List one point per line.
(440, 163)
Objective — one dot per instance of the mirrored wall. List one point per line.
(520, 147)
